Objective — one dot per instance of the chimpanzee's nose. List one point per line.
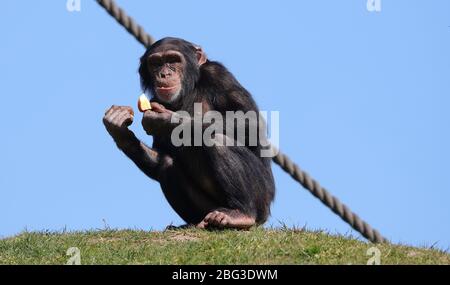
(165, 74)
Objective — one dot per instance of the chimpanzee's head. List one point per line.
(170, 68)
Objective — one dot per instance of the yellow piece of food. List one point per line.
(144, 104)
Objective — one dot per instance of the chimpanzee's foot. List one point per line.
(224, 218)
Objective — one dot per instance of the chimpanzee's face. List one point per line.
(166, 68)
(170, 69)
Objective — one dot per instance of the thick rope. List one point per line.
(281, 159)
(127, 22)
(327, 199)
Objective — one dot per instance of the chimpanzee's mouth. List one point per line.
(168, 93)
(166, 88)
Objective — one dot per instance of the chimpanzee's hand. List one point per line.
(157, 120)
(116, 120)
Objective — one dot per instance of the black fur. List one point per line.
(197, 180)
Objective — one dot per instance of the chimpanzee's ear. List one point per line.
(201, 55)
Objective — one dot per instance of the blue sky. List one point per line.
(363, 99)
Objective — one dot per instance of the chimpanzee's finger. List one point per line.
(202, 225)
(150, 115)
(122, 114)
(225, 221)
(126, 119)
(210, 217)
(130, 110)
(157, 107)
(114, 114)
(111, 110)
(128, 122)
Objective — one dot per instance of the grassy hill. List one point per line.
(192, 246)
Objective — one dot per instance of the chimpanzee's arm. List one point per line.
(150, 161)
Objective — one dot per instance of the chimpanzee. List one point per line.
(219, 186)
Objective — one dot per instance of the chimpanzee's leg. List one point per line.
(230, 185)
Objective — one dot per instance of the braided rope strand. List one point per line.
(281, 159)
(127, 22)
(327, 199)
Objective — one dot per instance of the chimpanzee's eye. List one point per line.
(173, 58)
(155, 61)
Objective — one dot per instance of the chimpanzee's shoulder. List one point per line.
(215, 75)
(214, 70)
(223, 89)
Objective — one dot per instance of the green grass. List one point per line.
(192, 246)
